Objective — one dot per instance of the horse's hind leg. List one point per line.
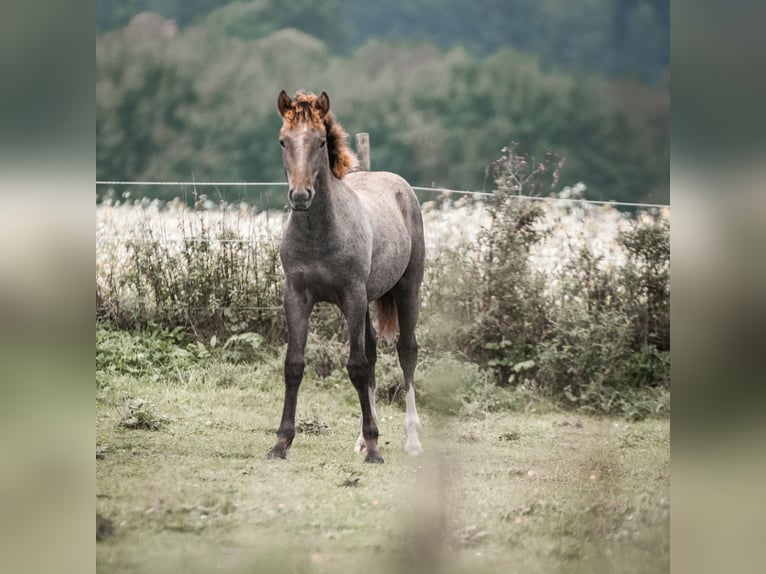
(360, 371)
(408, 308)
(370, 349)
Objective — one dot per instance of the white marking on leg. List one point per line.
(412, 425)
(371, 394)
(361, 444)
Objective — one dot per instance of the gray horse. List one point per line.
(352, 237)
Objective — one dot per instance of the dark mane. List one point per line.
(304, 111)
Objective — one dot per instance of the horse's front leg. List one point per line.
(297, 311)
(361, 370)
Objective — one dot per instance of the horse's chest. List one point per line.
(320, 280)
(323, 278)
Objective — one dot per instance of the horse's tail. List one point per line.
(388, 317)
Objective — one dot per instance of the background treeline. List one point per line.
(440, 89)
(617, 38)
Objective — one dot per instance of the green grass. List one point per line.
(498, 492)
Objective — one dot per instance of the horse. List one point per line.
(352, 238)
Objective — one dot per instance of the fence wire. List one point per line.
(441, 190)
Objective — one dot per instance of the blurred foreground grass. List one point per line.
(183, 485)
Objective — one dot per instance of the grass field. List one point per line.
(183, 484)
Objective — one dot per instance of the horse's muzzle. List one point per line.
(300, 199)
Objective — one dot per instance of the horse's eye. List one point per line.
(282, 143)
(322, 142)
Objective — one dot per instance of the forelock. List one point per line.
(303, 111)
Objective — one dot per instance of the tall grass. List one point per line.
(566, 302)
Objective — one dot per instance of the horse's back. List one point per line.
(384, 192)
(376, 182)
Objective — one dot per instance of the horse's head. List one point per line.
(311, 141)
(303, 138)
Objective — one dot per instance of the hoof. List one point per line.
(412, 445)
(373, 458)
(413, 449)
(276, 454)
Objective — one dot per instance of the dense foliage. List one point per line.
(625, 38)
(199, 102)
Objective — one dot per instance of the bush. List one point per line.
(209, 279)
(592, 336)
(610, 335)
(494, 301)
(646, 279)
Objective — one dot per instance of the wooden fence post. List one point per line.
(363, 150)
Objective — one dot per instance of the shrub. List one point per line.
(646, 279)
(210, 280)
(593, 335)
(497, 300)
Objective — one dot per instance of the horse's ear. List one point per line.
(284, 102)
(323, 104)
